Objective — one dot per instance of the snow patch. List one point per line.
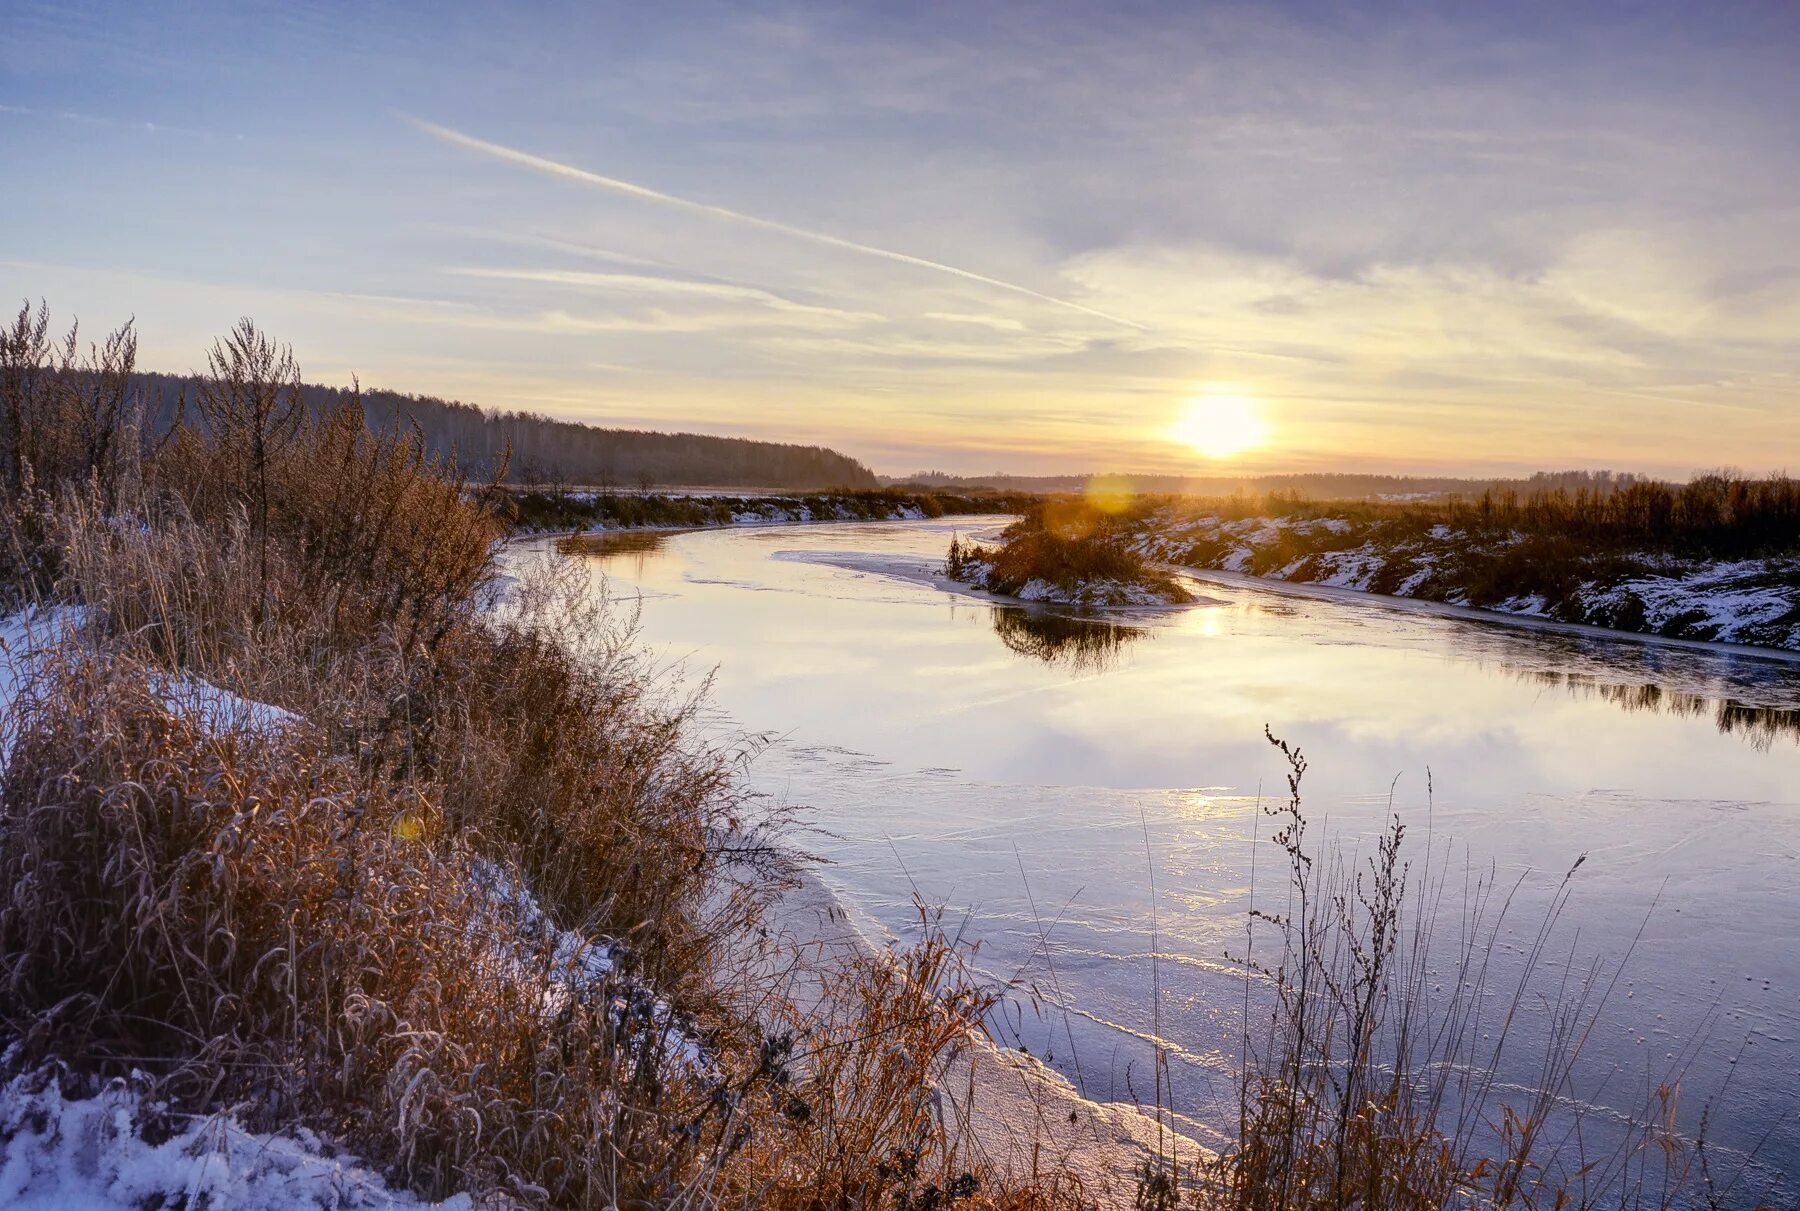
(65, 1153)
(573, 967)
(26, 638)
(218, 711)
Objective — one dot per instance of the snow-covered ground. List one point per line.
(60, 1151)
(1753, 602)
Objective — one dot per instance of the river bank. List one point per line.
(1005, 1108)
(539, 513)
(1753, 602)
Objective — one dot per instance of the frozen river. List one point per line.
(1013, 764)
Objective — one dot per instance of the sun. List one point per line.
(1220, 426)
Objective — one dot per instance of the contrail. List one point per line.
(569, 171)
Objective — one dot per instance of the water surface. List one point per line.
(1038, 772)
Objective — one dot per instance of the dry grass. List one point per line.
(262, 924)
(1068, 544)
(1376, 1077)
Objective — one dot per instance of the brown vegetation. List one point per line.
(308, 919)
(1375, 1078)
(1720, 515)
(564, 511)
(1077, 548)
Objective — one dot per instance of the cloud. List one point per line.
(999, 323)
(643, 283)
(644, 193)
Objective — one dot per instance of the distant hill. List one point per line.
(1314, 486)
(547, 451)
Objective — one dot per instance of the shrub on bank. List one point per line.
(1080, 556)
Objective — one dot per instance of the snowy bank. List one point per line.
(63, 1152)
(1745, 601)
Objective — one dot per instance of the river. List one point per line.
(1039, 773)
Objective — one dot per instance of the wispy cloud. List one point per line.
(103, 120)
(555, 244)
(644, 193)
(999, 323)
(644, 283)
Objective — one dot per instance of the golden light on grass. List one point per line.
(1109, 493)
(1220, 426)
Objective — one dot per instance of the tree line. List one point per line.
(539, 452)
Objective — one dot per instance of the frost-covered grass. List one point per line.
(118, 1149)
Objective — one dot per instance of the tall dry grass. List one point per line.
(262, 925)
(1394, 1066)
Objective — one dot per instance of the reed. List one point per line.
(1384, 1070)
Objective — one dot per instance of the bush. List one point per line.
(255, 921)
(1066, 545)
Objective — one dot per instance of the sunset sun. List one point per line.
(1220, 426)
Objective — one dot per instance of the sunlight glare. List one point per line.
(1221, 426)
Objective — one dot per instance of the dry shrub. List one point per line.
(257, 921)
(384, 532)
(851, 1113)
(541, 731)
(556, 742)
(378, 534)
(1067, 543)
(67, 417)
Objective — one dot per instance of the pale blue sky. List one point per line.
(972, 236)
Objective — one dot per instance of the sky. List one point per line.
(976, 237)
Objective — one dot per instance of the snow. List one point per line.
(68, 1153)
(577, 962)
(578, 967)
(1733, 602)
(1353, 569)
(1532, 606)
(1424, 565)
(1754, 602)
(25, 638)
(218, 711)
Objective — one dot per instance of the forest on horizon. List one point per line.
(547, 452)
